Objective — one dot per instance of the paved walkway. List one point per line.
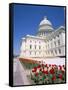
(19, 74)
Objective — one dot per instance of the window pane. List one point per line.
(59, 51)
(30, 46)
(35, 46)
(39, 47)
(58, 42)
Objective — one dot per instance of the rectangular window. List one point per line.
(57, 35)
(55, 52)
(35, 41)
(48, 52)
(48, 46)
(30, 46)
(51, 44)
(39, 47)
(55, 43)
(39, 42)
(58, 42)
(35, 46)
(51, 51)
(30, 53)
(35, 53)
(30, 41)
(60, 51)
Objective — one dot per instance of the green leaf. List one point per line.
(51, 75)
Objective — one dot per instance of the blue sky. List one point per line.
(27, 18)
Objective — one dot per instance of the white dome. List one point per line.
(45, 22)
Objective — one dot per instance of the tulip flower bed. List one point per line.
(48, 74)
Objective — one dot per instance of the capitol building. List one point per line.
(47, 43)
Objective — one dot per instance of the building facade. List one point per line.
(47, 43)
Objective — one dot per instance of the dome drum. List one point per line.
(45, 28)
(44, 33)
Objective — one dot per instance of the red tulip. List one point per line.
(39, 66)
(34, 69)
(60, 67)
(49, 65)
(52, 65)
(45, 72)
(40, 69)
(46, 65)
(62, 71)
(54, 78)
(52, 71)
(60, 76)
(42, 64)
(36, 74)
(63, 66)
